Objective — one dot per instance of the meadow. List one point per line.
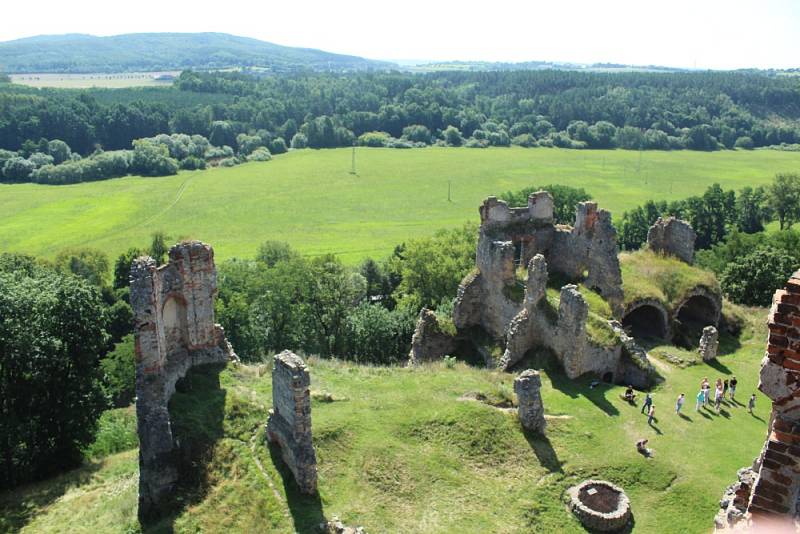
(100, 79)
(406, 450)
(311, 199)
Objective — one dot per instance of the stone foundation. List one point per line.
(289, 423)
(174, 330)
(600, 505)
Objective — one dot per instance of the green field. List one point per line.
(401, 450)
(310, 199)
(82, 81)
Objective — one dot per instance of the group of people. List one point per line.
(722, 389)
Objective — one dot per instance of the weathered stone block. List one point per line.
(527, 387)
(672, 236)
(709, 343)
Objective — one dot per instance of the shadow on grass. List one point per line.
(306, 510)
(580, 387)
(728, 344)
(684, 416)
(544, 451)
(757, 417)
(719, 366)
(19, 506)
(197, 411)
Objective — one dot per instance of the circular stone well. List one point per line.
(600, 505)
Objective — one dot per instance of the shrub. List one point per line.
(119, 372)
(374, 139)
(526, 140)
(193, 163)
(452, 136)
(116, 432)
(152, 159)
(377, 335)
(299, 140)
(228, 162)
(753, 279)
(218, 152)
(278, 146)
(476, 143)
(744, 142)
(417, 133)
(260, 154)
(18, 169)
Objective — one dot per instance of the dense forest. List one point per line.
(662, 111)
(80, 53)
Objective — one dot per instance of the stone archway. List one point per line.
(698, 310)
(646, 319)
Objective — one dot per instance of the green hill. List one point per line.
(310, 199)
(78, 53)
(407, 450)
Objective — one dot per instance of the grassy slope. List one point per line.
(398, 452)
(309, 198)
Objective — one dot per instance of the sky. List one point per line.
(714, 34)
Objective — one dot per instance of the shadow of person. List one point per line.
(756, 417)
(654, 427)
(544, 451)
(704, 414)
(306, 510)
(684, 416)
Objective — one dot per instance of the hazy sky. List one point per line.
(681, 33)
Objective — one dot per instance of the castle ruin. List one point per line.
(174, 331)
(769, 491)
(672, 236)
(519, 314)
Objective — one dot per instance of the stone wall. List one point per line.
(672, 236)
(429, 342)
(174, 330)
(289, 423)
(773, 495)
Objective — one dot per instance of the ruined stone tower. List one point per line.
(174, 330)
(672, 236)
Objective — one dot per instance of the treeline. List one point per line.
(698, 111)
(54, 163)
(731, 238)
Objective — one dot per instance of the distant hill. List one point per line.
(78, 53)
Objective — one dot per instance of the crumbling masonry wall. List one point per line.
(672, 236)
(289, 423)
(773, 493)
(527, 387)
(528, 236)
(174, 330)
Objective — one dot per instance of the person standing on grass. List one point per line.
(648, 401)
(724, 388)
(717, 398)
(679, 403)
(751, 403)
(651, 414)
(701, 395)
(704, 387)
(733, 387)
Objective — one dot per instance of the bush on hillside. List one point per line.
(119, 372)
(753, 279)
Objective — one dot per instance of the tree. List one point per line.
(18, 169)
(744, 142)
(222, 134)
(87, 263)
(299, 140)
(158, 247)
(50, 390)
(452, 136)
(752, 210)
(784, 198)
(152, 159)
(753, 279)
(377, 335)
(272, 252)
(59, 150)
(119, 372)
(417, 133)
(432, 268)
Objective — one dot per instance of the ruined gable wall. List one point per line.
(672, 236)
(174, 329)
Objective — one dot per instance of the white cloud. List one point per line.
(684, 33)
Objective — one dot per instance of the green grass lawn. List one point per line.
(310, 199)
(399, 451)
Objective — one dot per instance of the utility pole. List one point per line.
(353, 161)
(448, 191)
